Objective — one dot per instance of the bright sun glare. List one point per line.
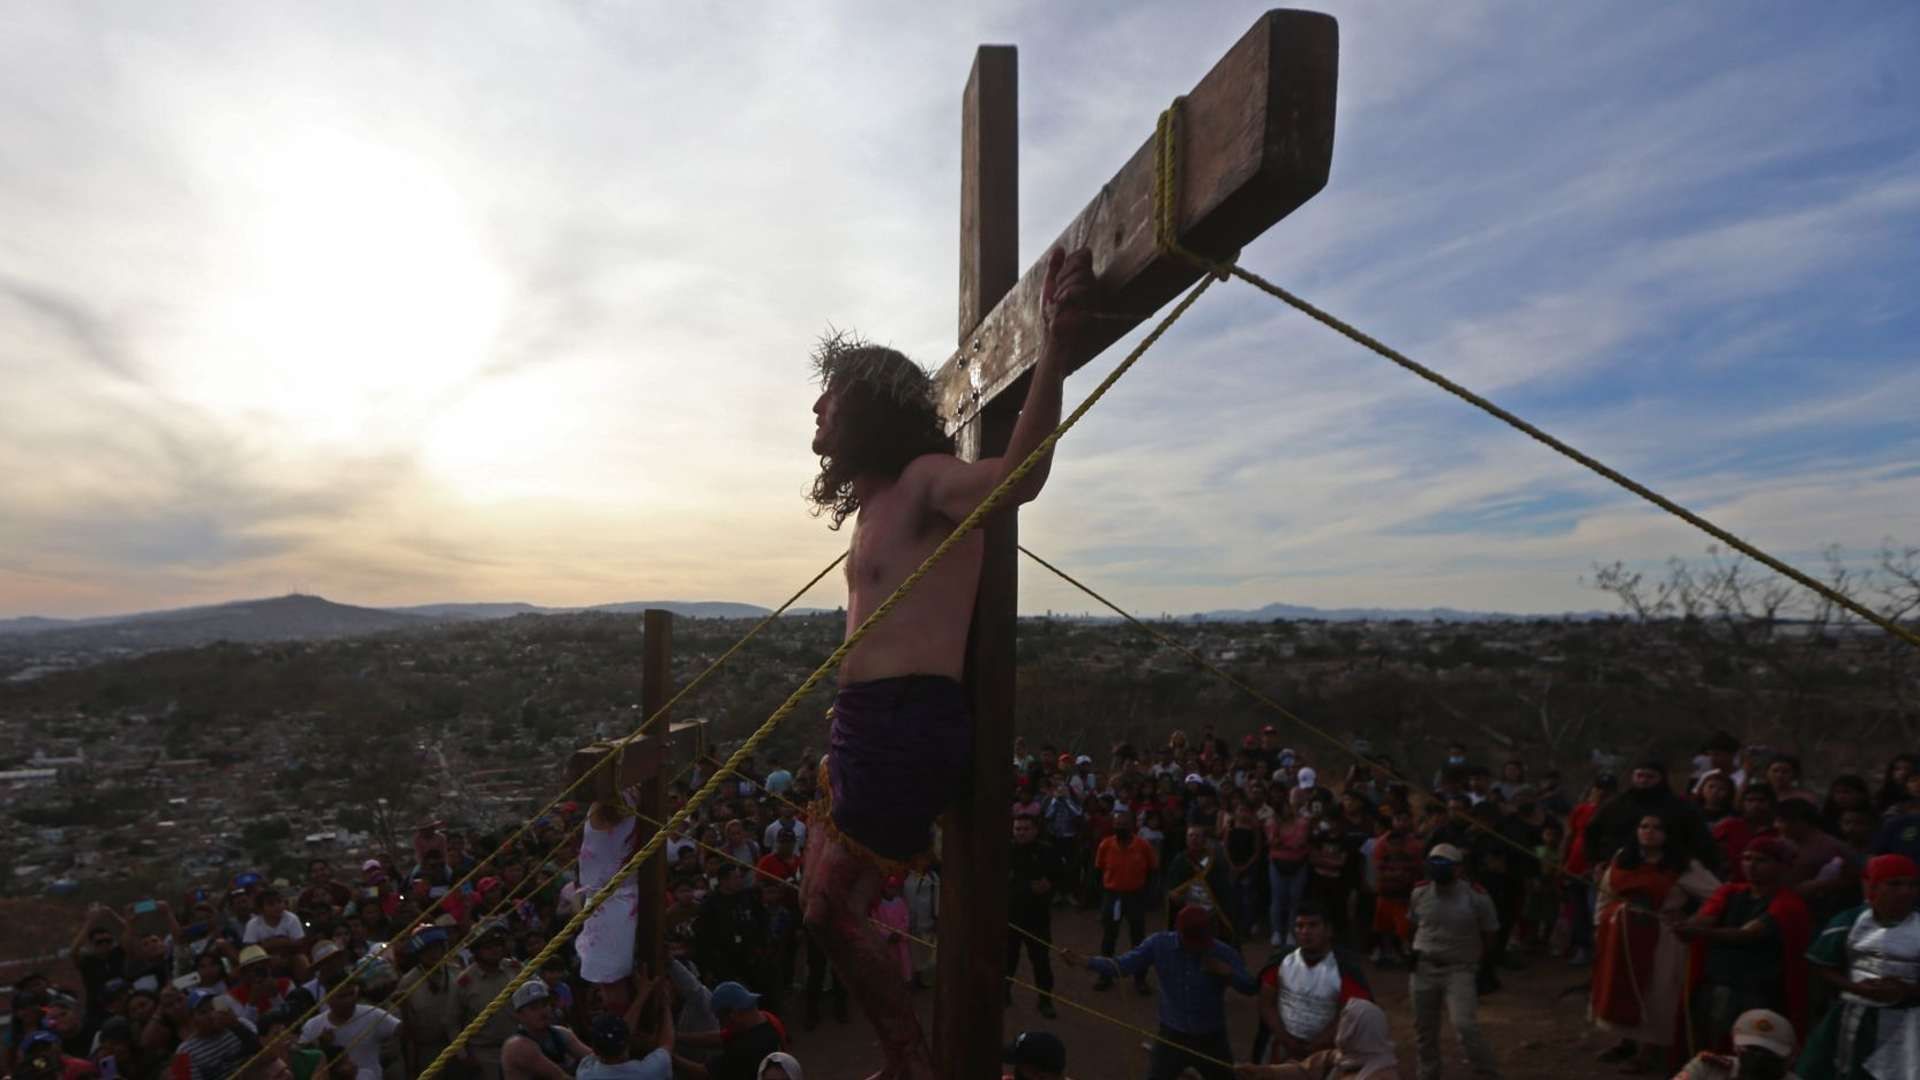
(364, 291)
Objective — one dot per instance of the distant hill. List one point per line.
(282, 618)
(1296, 611)
(692, 609)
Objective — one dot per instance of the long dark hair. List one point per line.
(1672, 857)
(884, 417)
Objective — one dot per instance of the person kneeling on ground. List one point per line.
(1763, 1043)
(1035, 1055)
(779, 1066)
(1361, 1051)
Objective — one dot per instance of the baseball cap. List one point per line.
(197, 998)
(1766, 1029)
(1269, 729)
(43, 1037)
(492, 928)
(429, 937)
(1445, 853)
(247, 880)
(1040, 1049)
(370, 864)
(609, 1035)
(1195, 924)
(531, 992)
(1194, 778)
(729, 996)
(1083, 760)
(325, 950)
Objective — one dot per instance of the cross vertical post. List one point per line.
(656, 686)
(969, 979)
(1255, 143)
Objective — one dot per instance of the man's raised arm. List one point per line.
(955, 487)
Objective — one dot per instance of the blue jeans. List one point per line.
(1287, 889)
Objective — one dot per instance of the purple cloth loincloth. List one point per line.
(897, 758)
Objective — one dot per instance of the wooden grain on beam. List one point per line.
(636, 763)
(1257, 143)
(656, 687)
(967, 1015)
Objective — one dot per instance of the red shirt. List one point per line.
(771, 865)
(1577, 832)
(1124, 869)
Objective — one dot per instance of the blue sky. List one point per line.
(511, 301)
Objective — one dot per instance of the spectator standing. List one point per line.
(1639, 962)
(1034, 872)
(1123, 862)
(538, 1049)
(785, 822)
(353, 1028)
(426, 1002)
(747, 1034)
(215, 1045)
(1194, 971)
(1453, 928)
(1749, 946)
(1303, 990)
(1871, 955)
(1066, 818)
(1198, 875)
(1289, 840)
(1397, 856)
(922, 892)
(731, 928)
(479, 984)
(1613, 827)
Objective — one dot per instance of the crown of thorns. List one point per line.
(843, 357)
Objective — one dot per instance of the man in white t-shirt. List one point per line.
(358, 1029)
(786, 822)
(273, 927)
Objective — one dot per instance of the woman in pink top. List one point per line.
(1289, 840)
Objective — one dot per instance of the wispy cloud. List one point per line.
(414, 303)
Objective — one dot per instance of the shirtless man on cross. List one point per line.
(902, 741)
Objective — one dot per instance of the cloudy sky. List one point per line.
(407, 303)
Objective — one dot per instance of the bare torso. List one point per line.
(926, 634)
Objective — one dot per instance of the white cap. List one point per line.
(324, 950)
(1447, 852)
(531, 992)
(1766, 1029)
(1308, 776)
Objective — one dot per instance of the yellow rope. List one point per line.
(420, 921)
(923, 942)
(972, 521)
(473, 934)
(1166, 208)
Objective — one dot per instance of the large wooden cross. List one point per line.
(1257, 143)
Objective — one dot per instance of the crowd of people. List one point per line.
(1734, 923)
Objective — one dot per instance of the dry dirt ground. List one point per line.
(1537, 1022)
